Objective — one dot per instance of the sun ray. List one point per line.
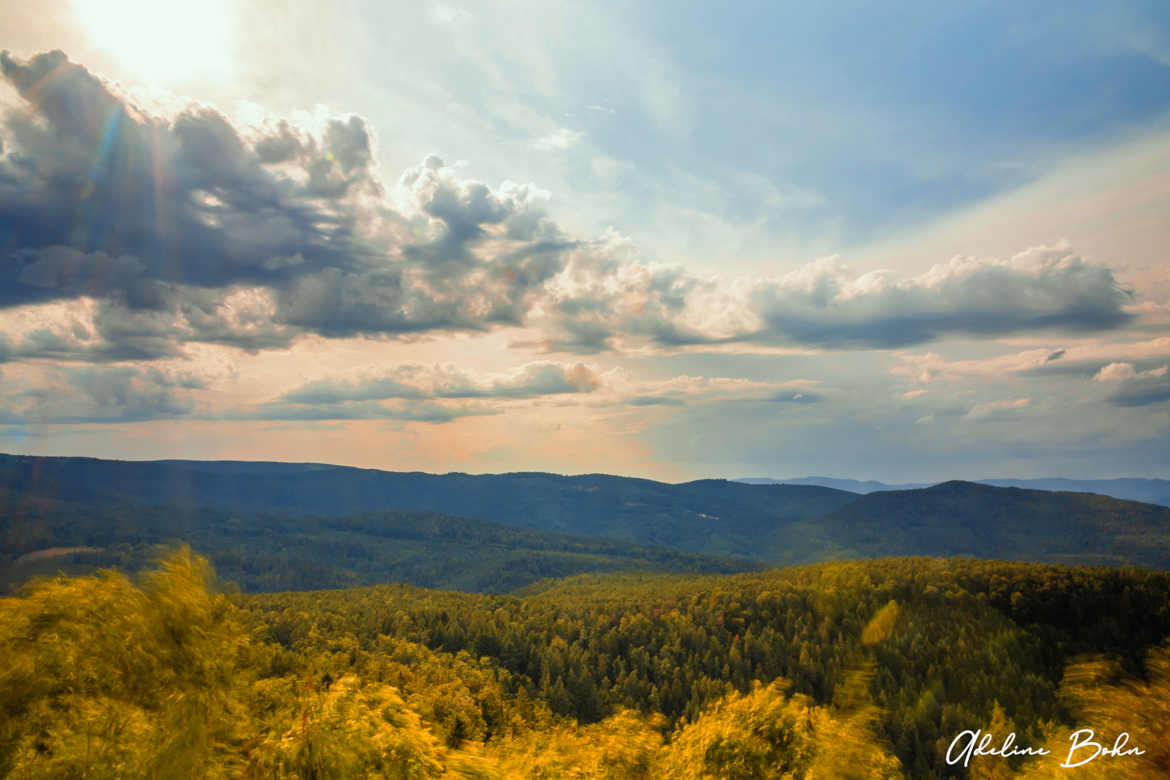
(165, 43)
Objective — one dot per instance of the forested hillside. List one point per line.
(864, 669)
(941, 643)
(710, 517)
(265, 552)
(1149, 491)
(966, 518)
(257, 519)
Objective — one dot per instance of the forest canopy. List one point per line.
(859, 669)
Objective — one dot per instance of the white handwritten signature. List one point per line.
(970, 744)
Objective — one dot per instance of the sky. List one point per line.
(907, 241)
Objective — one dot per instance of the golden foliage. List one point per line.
(351, 731)
(621, 747)
(1102, 700)
(881, 625)
(102, 677)
(769, 734)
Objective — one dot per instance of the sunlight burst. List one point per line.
(165, 42)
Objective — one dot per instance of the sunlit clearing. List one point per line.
(169, 43)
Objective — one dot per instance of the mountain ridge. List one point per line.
(711, 517)
(1148, 490)
(772, 524)
(961, 518)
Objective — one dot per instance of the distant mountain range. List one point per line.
(272, 526)
(711, 517)
(1150, 491)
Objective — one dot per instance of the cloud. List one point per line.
(173, 220)
(408, 411)
(100, 199)
(164, 217)
(823, 305)
(421, 393)
(447, 382)
(1116, 372)
(605, 295)
(656, 400)
(1085, 359)
(685, 390)
(447, 14)
(57, 343)
(327, 392)
(998, 410)
(185, 229)
(101, 394)
(558, 140)
(795, 398)
(596, 303)
(1136, 388)
(112, 332)
(469, 258)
